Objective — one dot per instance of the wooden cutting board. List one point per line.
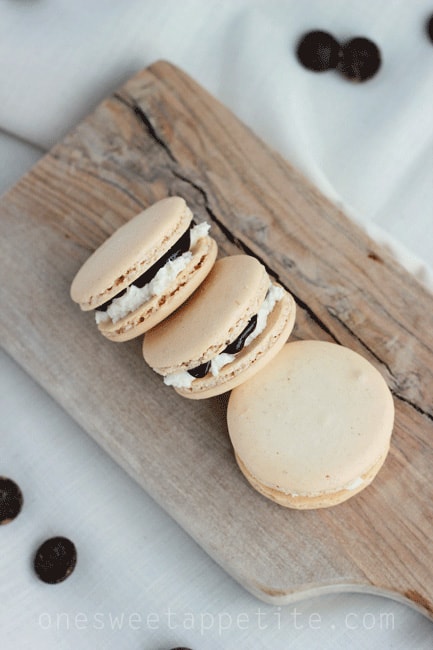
(163, 134)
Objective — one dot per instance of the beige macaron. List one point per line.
(235, 322)
(145, 269)
(314, 427)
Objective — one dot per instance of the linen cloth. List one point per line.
(141, 582)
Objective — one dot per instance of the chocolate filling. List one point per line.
(232, 348)
(238, 344)
(180, 247)
(201, 370)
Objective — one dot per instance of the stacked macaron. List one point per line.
(310, 422)
(236, 321)
(145, 270)
(208, 325)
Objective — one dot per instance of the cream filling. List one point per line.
(183, 379)
(353, 485)
(198, 232)
(135, 297)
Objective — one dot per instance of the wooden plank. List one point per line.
(163, 134)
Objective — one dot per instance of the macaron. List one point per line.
(145, 269)
(313, 428)
(230, 328)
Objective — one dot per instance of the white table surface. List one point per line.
(141, 582)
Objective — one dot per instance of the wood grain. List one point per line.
(162, 134)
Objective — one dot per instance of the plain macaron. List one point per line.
(314, 427)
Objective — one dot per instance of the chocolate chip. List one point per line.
(318, 51)
(360, 59)
(430, 28)
(182, 648)
(55, 560)
(11, 500)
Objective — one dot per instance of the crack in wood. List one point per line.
(144, 119)
(417, 408)
(312, 314)
(383, 363)
(239, 243)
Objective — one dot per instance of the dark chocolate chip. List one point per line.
(11, 500)
(55, 560)
(360, 59)
(318, 51)
(430, 28)
(181, 648)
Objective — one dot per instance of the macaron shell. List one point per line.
(252, 358)
(324, 500)
(216, 313)
(130, 251)
(158, 308)
(316, 419)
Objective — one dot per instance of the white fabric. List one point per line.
(369, 147)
